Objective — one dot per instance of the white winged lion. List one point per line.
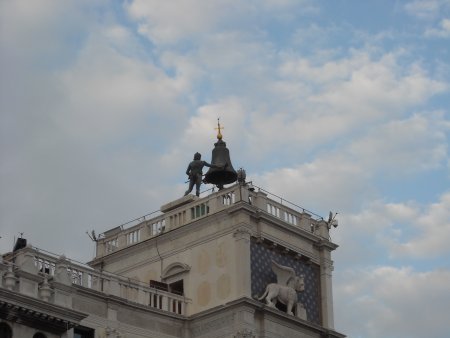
(286, 288)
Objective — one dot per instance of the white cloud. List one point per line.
(393, 302)
(414, 144)
(327, 182)
(426, 9)
(433, 232)
(333, 98)
(442, 32)
(345, 177)
(403, 230)
(44, 32)
(169, 22)
(377, 89)
(127, 90)
(375, 222)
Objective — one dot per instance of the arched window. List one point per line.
(5, 331)
(39, 335)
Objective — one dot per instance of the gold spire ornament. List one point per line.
(219, 134)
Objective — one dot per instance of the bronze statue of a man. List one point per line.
(194, 171)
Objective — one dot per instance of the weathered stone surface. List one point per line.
(90, 305)
(178, 203)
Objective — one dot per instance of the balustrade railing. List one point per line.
(61, 269)
(215, 202)
(111, 241)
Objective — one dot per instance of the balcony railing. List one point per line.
(51, 268)
(121, 237)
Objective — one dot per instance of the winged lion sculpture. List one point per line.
(286, 288)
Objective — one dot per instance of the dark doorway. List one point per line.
(177, 287)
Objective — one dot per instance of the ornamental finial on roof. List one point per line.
(219, 128)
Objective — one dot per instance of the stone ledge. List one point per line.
(178, 203)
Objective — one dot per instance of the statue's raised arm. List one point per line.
(195, 173)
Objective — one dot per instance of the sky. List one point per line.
(334, 105)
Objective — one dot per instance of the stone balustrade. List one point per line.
(289, 215)
(119, 238)
(40, 275)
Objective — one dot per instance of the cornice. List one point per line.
(325, 244)
(248, 304)
(31, 304)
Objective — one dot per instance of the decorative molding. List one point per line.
(327, 266)
(242, 233)
(325, 244)
(175, 269)
(206, 326)
(295, 252)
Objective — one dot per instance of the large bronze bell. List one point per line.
(222, 171)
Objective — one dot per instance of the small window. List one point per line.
(112, 245)
(5, 331)
(39, 335)
(83, 333)
(199, 210)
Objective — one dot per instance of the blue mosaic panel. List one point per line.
(261, 274)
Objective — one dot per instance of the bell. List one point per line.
(222, 171)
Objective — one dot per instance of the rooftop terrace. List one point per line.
(191, 208)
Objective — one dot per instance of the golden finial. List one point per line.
(219, 134)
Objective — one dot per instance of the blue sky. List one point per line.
(334, 105)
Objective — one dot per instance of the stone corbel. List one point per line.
(112, 333)
(245, 333)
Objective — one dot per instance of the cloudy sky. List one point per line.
(335, 105)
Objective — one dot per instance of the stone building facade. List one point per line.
(196, 270)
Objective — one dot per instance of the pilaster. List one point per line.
(326, 269)
(242, 258)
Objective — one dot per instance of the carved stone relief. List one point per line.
(286, 288)
(262, 275)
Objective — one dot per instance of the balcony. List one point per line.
(42, 275)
